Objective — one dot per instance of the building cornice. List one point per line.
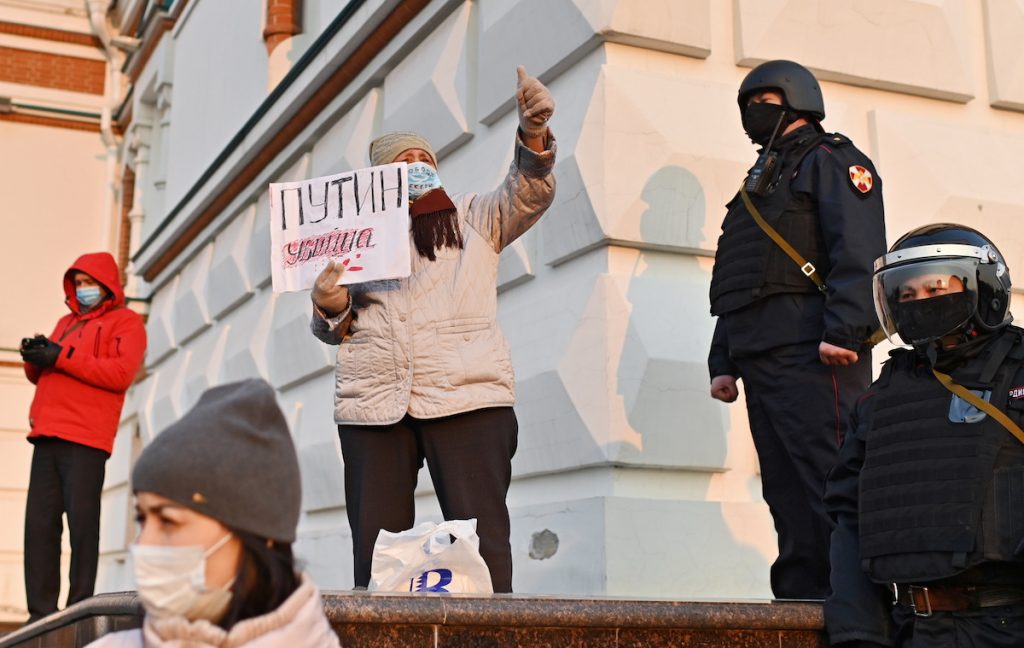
(197, 210)
(46, 33)
(55, 120)
(153, 27)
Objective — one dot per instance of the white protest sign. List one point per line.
(359, 218)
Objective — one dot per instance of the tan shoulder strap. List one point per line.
(806, 266)
(980, 403)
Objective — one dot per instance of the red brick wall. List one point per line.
(52, 70)
(284, 20)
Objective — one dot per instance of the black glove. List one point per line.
(40, 351)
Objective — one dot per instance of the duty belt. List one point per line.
(924, 600)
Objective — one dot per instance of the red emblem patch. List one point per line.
(861, 178)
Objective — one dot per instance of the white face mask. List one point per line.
(171, 582)
(422, 178)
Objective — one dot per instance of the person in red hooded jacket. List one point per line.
(81, 372)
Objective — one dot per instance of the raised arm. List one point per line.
(504, 214)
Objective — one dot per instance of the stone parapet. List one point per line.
(397, 620)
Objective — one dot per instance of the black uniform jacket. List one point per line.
(853, 231)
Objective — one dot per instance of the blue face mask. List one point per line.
(422, 178)
(88, 296)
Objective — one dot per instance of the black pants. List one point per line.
(995, 627)
(799, 410)
(67, 478)
(470, 461)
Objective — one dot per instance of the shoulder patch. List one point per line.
(1016, 393)
(861, 178)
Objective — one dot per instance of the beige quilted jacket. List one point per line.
(429, 344)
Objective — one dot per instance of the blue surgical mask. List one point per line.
(88, 296)
(422, 178)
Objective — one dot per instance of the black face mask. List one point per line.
(760, 120)
(924, 320)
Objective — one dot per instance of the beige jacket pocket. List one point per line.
(469, 351)
(356, 374)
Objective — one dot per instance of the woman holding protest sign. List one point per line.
(423, 371)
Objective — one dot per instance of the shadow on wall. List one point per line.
(662, 374)
(676, 208)
(663, 381)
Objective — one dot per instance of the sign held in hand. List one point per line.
(359, 218)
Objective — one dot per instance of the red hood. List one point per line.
(101, 267)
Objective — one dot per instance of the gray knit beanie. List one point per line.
(387, 147)
(231, 458)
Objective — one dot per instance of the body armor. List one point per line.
(928, 484)
(748, 264)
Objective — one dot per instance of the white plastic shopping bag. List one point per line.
(424, 559)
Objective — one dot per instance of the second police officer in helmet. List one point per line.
(928, 494)
(791, 288)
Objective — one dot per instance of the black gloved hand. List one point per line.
(40, 351)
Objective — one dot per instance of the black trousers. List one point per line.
(995, 627)
(799, 411)
(67, 478)
(470, 461)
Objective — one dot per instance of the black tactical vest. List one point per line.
(926, 486)
(748, 264)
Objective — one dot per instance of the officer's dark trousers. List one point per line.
(470, 461)
(65, 477)
(995, 627)
(798, 410)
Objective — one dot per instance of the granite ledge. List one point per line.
(506, 619)
(554, 611)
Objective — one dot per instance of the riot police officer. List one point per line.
(791, 287)
(928, 495)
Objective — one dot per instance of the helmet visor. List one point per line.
(926, 300)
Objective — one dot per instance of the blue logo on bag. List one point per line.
(422, 583)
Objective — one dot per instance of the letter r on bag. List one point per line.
(422, 582)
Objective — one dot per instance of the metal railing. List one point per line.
(80, 624)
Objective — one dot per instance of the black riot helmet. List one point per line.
(800, 90)
(940, 280)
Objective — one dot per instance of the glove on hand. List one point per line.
(535, 104)
(40, 351)
(329, 297)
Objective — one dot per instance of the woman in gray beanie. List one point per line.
(423, 371)
(218, 497)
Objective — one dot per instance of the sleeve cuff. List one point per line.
(722, 368)
(531, 163)
(843, 341)
(332, 322)
(64, 357)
